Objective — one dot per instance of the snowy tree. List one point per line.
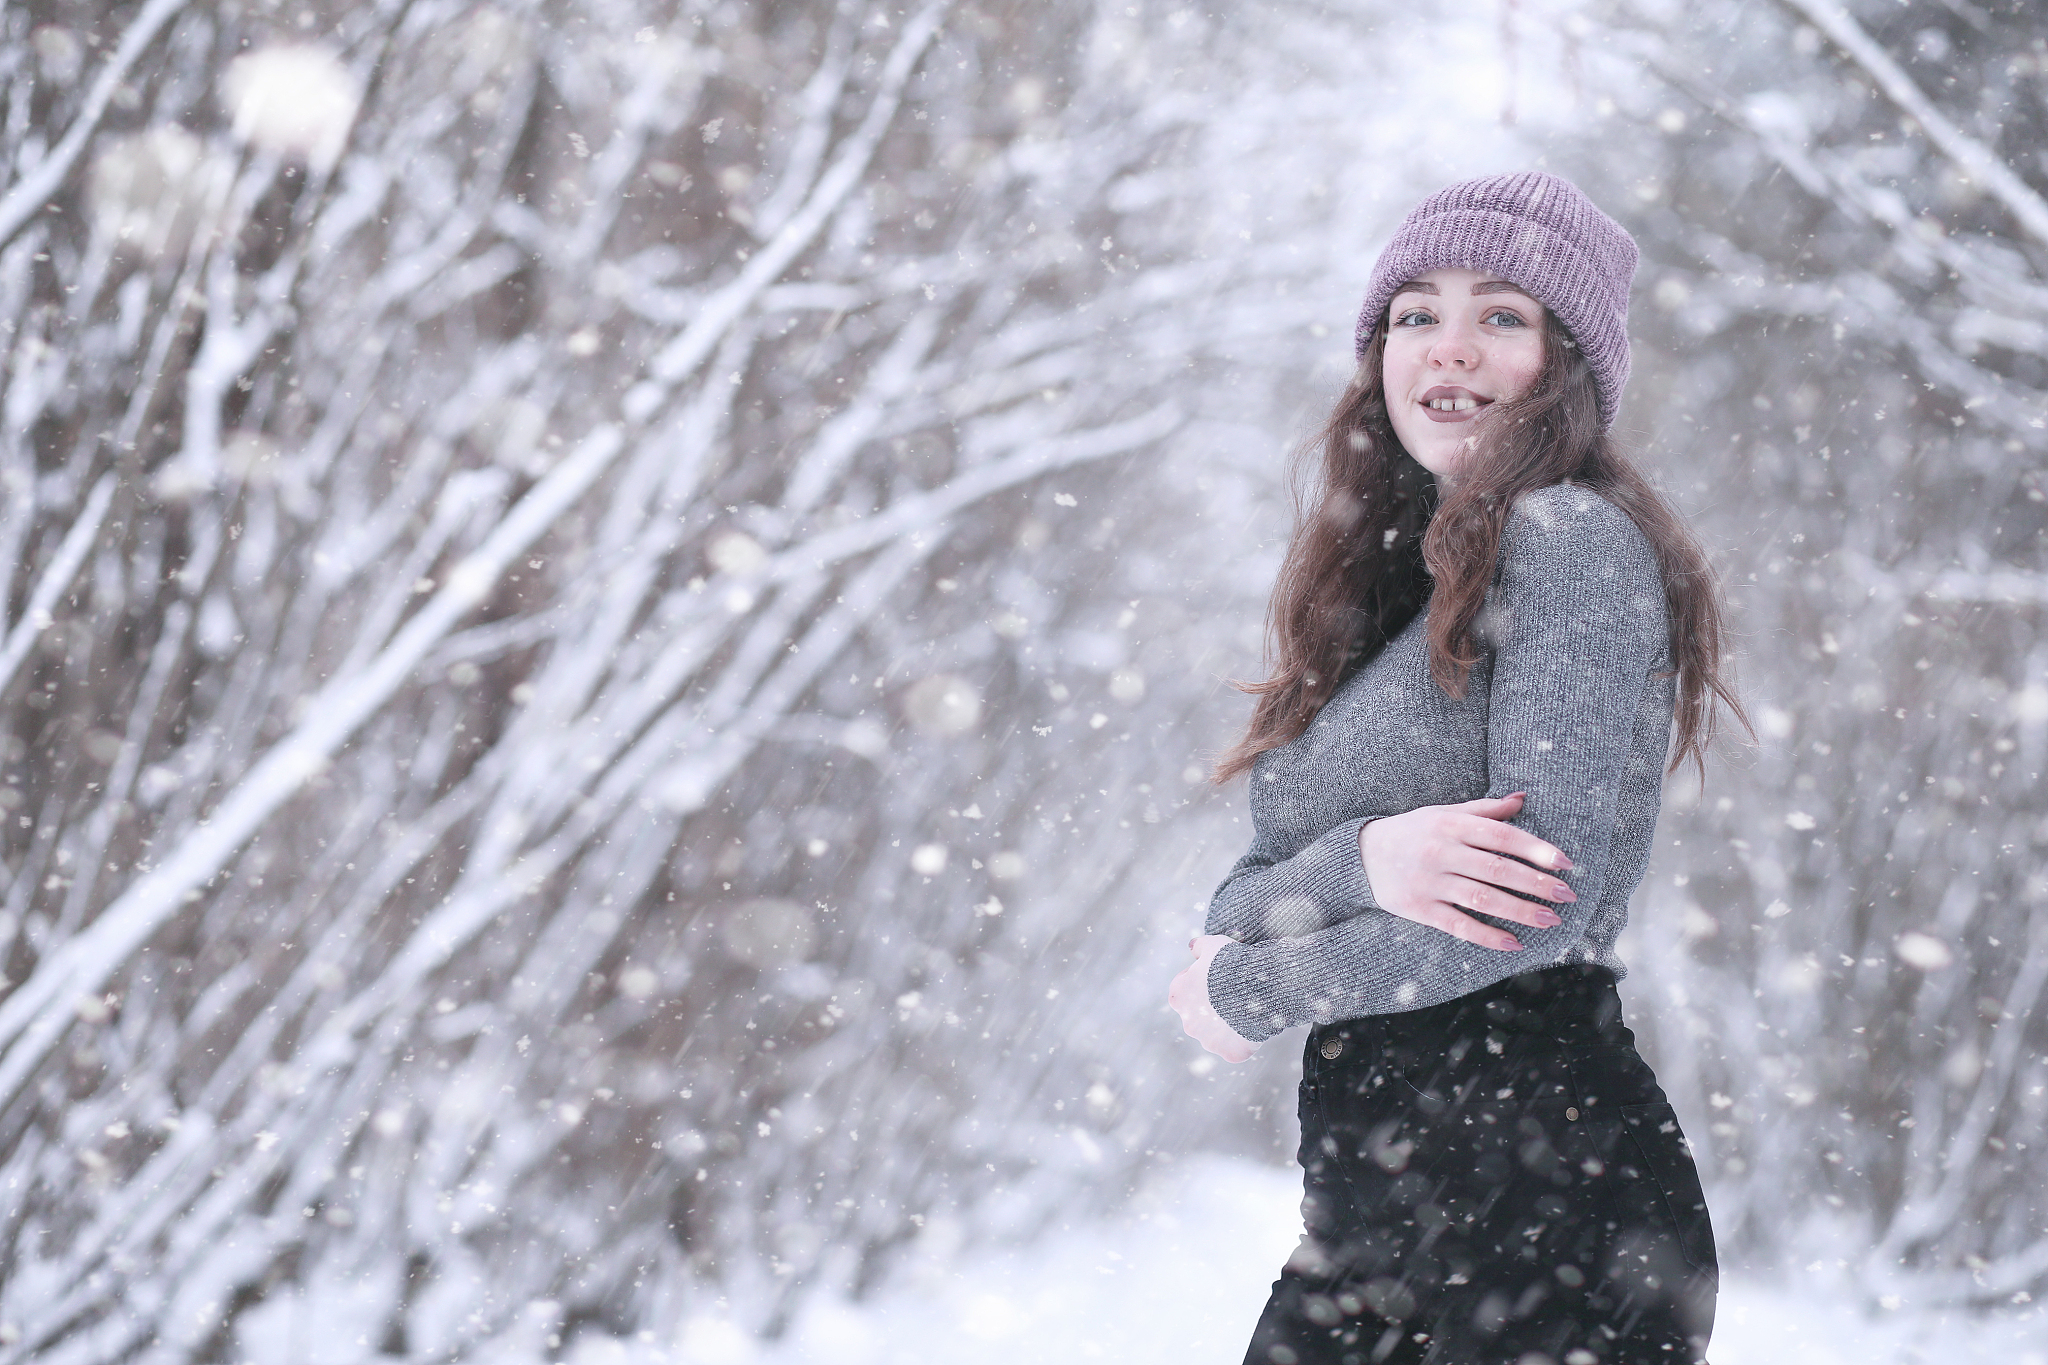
(1846, 223)
(611, 616)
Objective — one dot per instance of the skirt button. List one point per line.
(1333, 1048)
(1571, 1115)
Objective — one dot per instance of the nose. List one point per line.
(1454, 347)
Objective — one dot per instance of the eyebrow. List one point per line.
(1483, 287)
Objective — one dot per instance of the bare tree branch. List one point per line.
(1983, 166)
(32, 191)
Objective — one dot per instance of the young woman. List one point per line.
(1485, 628)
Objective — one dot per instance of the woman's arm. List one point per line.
(1324, 884)
(1432, 860)
(1577, 625)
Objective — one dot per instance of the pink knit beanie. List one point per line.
(1539, 231)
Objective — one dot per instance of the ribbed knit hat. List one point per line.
(1541, 232)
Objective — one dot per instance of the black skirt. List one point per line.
(1494, 1179)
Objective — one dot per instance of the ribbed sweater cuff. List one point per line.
(1231, 996)
(1322, 885)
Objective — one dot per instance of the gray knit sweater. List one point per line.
(1571, 704)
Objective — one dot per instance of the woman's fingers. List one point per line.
(1432, 864)
(1497, 869)
(1218, 1037)
(1497, 836)
(1491, 900)
(1494, 807)
(1188, 996)
(1207, 1028)
(1458, 924)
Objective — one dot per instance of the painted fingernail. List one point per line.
(1563, 864)
(1549, 921)
(1564, 893)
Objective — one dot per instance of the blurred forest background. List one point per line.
(614, 614)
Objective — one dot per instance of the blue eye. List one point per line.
(1403, 319)
(1513, 319)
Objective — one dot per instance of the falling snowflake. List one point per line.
(1924, 951)
(944, 705)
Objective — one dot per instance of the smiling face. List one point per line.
(1458, 341)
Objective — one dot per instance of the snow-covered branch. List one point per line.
(1979, 162)
(56, 579)
(42, 179)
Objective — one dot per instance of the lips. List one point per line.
(1448, 403)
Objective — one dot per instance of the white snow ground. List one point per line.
(1179, 1277)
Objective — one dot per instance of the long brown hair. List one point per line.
(1371, 547)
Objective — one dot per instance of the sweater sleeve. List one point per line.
(1577, 625)
(1266, 898)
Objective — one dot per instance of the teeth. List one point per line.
(1454, 404)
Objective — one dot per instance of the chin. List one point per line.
(1443, 464)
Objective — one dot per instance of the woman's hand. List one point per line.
(1434, 863)
(1189, 997)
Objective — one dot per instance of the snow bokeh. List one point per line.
(154, 190)
(292, 99)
